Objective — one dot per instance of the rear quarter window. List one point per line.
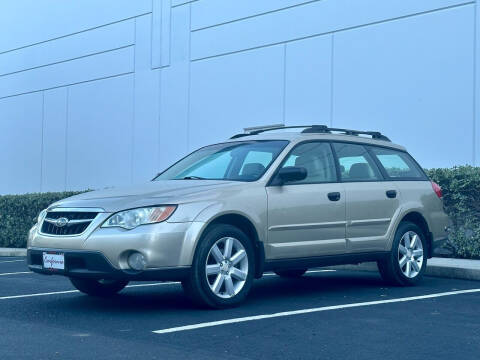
(398, 164)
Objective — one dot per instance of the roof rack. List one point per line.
(311, 129)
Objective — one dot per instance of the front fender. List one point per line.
(250, 203)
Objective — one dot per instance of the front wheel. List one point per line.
(100, 288)
(223, 268)
(407, 260)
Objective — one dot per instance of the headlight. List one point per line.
(130, 219)
(41, 216)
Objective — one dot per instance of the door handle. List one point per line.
(392, 194)
(334, 196)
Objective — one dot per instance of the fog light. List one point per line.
(137, 261)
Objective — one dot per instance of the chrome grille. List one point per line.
(67, 222)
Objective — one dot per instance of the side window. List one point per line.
(317, 159)
(397, 164)
(256, 162)
(356, 164)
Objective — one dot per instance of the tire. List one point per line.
(414, 264)
(99, 288)
(230, 274)
(294, 273)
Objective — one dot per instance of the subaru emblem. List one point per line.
(61, 222)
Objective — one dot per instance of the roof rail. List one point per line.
(311, 129)
(324, 129)
(254, 130)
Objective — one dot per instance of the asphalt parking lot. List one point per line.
(324, 315)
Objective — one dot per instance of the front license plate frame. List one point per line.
(53, 261)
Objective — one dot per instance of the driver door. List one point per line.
(307, 218)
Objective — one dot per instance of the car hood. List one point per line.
(151, 193)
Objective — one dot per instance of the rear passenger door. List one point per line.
(371, 202)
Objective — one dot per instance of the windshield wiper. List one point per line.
(193, 178)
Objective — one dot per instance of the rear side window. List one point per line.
(356, 164)
(397, 164)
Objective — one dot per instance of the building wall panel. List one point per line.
(21, 143)
(161, 27)
(86, 43)
(206, 13)
(107, 64)
(174, 92)
(236, 91)
(51, 19)
(146, 133)
(308, 81)
(96, 94)
(411, 79)
(99, 134)
(54, 155)
(181, 2)
(310, 19)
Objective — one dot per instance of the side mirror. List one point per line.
(291, 173)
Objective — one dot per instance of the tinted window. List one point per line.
(240, 161)
(216, 167)
(255, 158)
(397, 164)
(356, 164)
(317, 159)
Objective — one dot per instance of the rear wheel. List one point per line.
(223, 268)
(291, 273)
(407, 260)
(101, 288)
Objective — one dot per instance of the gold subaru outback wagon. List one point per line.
(282, 199)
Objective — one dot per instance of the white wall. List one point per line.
(95, 94)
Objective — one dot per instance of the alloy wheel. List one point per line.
(410, 254)
(226, 267)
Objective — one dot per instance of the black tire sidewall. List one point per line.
(403, 228)
(198, 278)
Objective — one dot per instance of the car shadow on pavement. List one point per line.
(270, 289)
(314, 285)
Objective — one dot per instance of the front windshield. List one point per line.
(238, 161)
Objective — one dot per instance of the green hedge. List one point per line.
(17, 214)
(461, 196)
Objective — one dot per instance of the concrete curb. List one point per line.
(437, 267)
(13, 252)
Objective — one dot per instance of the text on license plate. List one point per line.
(53, 261)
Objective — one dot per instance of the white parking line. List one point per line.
(10, 261)
(74, 291)
(311, 310)
(15, 273)
(37, 294)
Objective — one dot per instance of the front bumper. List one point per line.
(93, 264)
(164, 245)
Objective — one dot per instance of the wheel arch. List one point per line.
(242, 222)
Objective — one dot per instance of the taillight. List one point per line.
(437, 189)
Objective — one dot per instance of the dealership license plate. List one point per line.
(53, 261)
